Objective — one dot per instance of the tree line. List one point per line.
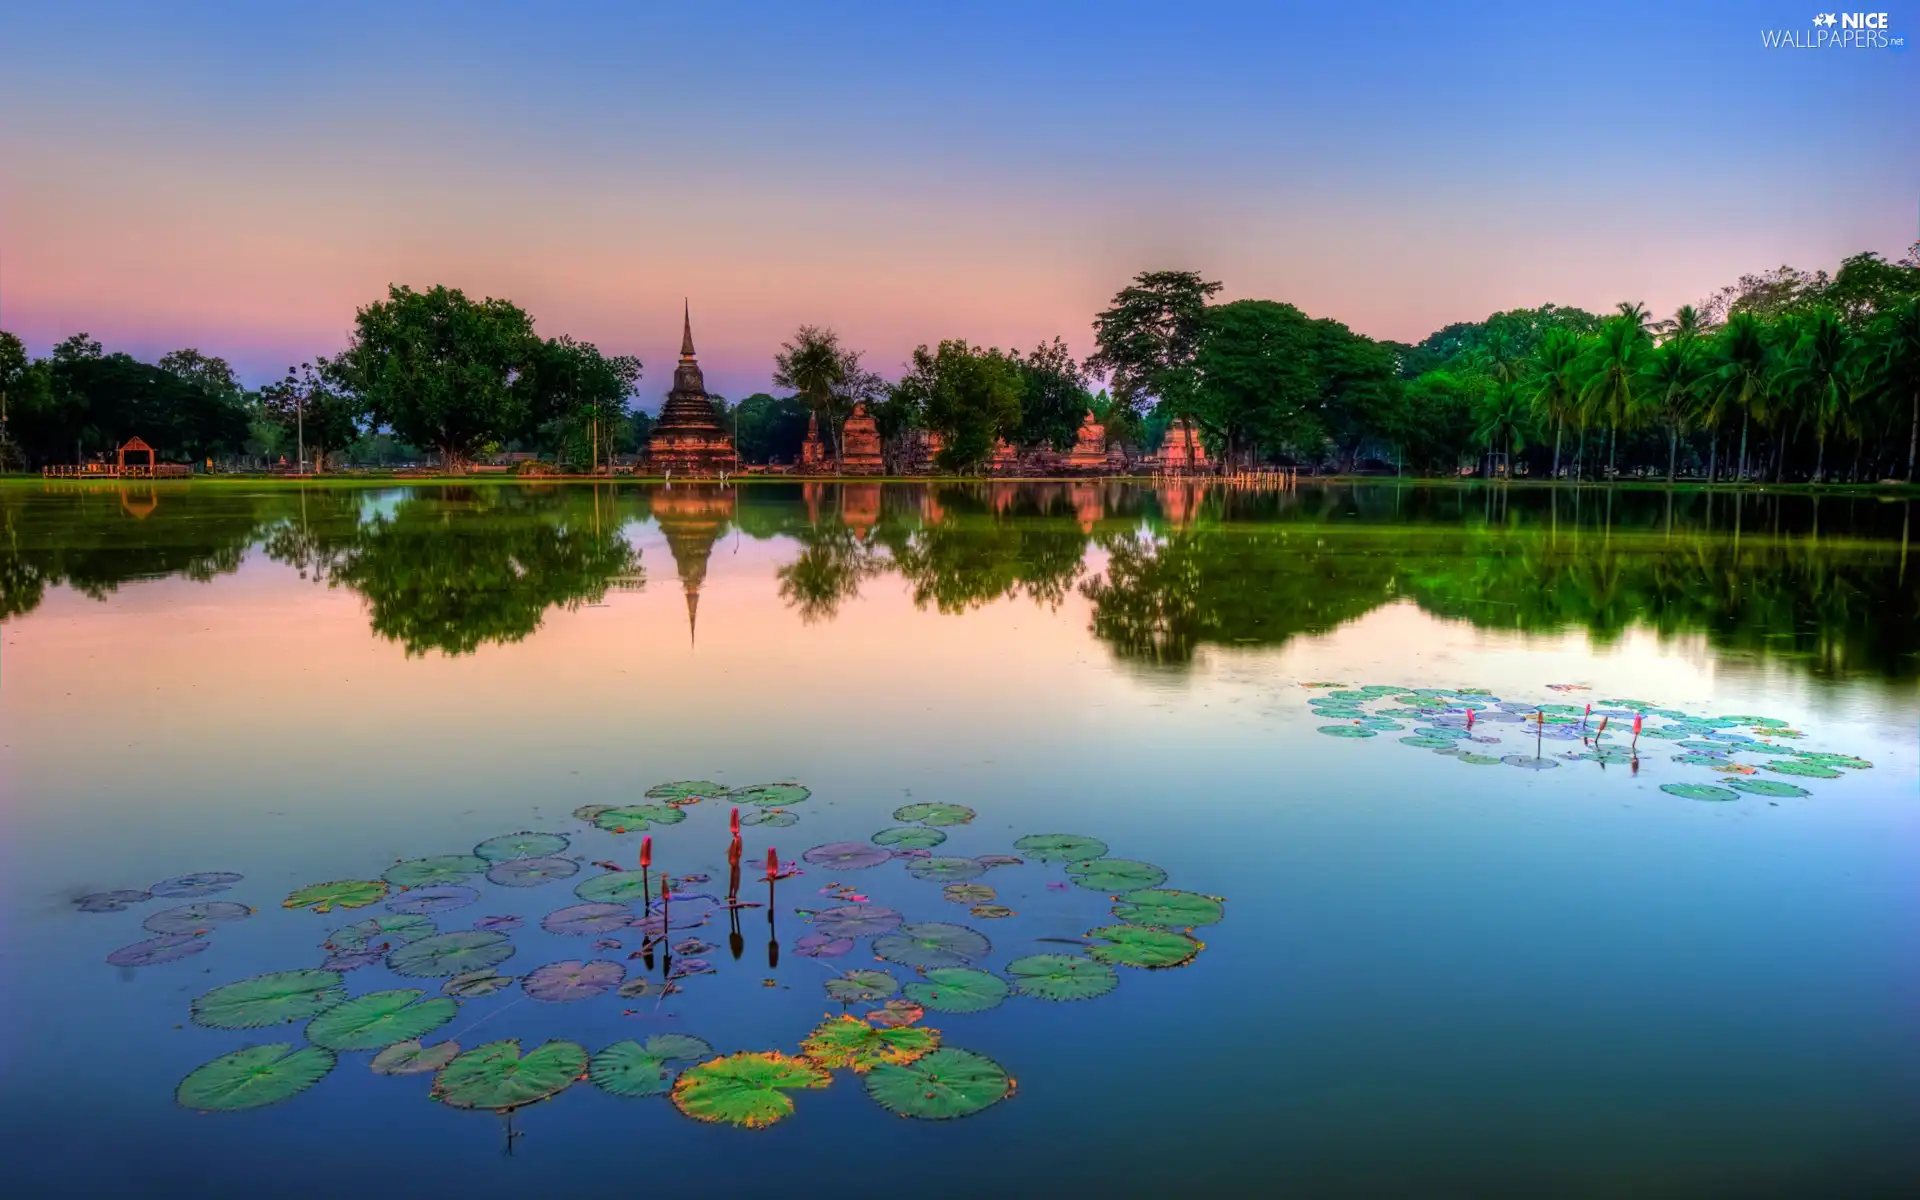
(1786, 375)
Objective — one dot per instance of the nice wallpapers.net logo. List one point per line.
(1837, 31)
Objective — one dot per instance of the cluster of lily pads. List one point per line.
(1473, 726)
(905, 1066)
(180, 931)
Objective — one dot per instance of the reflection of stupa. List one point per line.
(692, 519)
(688, 439)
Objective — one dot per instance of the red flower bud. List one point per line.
(646, 852)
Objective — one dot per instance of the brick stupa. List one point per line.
(860, 444)
(688, 439)
(812, 453)
(1182, 451)
(1089, 447)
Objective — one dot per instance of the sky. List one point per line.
(241, 177)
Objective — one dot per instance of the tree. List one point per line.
(1503, 416)
(1744, 374)
(1612, 367)
(1150, 336)
(771, 428)
(814, 364)
(212, 375)
(1054, 397)
(444, 371)
(585, 391)
(1895, 347)
(1671, 382)
(311, 407)
(1815, 376)
(1256, 379)
(1554, 386)
(970, 396)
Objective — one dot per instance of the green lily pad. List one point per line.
(860, 987)
(1061, 847)
(968, 893)
(1168, 909)
(848, 1042)
(1115, 875)
(395, 931)
(521, 845)
(1761, 722)
(1141, 946)
(441, 868)
(1403, 714)
(447, 954)
(632, 1069)
(957, 990)
(497, 1076)
(380, 1019)
(769, 795)
(411, 1058)
(1698, 791)
(772, 818)
(253, 1077)
(587, 812)
(1349, 731)
(337, 893)
(632, 818)
(1834, 760)
(687, 789)
(910, 837)
(935, 814)
(1802, 768)
(272, 999)
(1767, 787)
(942, 1086)
(619, 887)
(1478, 760)
(932, 944)
(1358, 696)
(1702, 760)
(474, 984)
(945, 870)
(748, 1090)
(1061, 977)
(1427, 743)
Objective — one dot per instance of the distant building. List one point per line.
(688, 439)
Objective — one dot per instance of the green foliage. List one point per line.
(631, 1069)
(957, 990)
(748, 1090)
(255, 1076)
(771, 429)
(446, 954)
(312, 406)
(942, 1086)
(497, 1076)
(380, 1019)
(1168, 909)
(338, 893)
(1141, 946)
(1061, 977)
(1061, 847)
(970, 396)
(1115, 875)
(1149, 338)
(272, 999)
(849, 1042)
(1053, 398)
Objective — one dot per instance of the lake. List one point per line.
(1285, 916)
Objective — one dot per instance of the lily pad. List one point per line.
(856, 921)
(155, 951)
(935, 814)
(199, 917)
(498, 924)
(769, 795)
(990, 912)
(272, 999)
(1529, 762)
(439, 898)
(910, 837)
(1768, 787)
(441, 868)
(531, 872)
(687, 789)
(932, 944)
(968, 893)
(394, 931)
(589, 812)
(942, 1086)
(117, 901)
(945, 870)
(1115, 875)
(847, 856)
(473, 984)
(1349, 731)
(632, 818)
(631, 1068)
(895, 1014)
(411, 1058)
(1061, 847)
(497, 1076)
(449, 954)
(1168, 909)
(379, 1019)
(859, 987)
(771, 818)
(958, 990)
(1698, 791)
(337, 893)
(1825, 759)
(1702, 760)
(1427, 743)
(747, 1089)
(819, 945)
(1142, 946)
(351, 960)
(200, 883)
(619, 887)
(1802, 768)
(521, 845)
(999, 860)
(562, 982)
(587, 920)
(1061, 977)
(253, 1077)
(1478, 760)
(848, 1042)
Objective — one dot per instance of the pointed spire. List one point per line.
(693, 609)
(686, 332)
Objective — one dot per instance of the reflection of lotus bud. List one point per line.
(733, 853)
(733, 823)
(773, 953)
(646, 852)
(737, 944)
(1603, 727)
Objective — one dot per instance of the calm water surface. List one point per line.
(1433, 977)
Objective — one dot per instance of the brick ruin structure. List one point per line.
(860, 444)
(1182, 452)
(688, 439)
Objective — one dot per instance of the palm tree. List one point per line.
(1613, 363)
(1555, 387)
(1687, 321)
(1503, 418)
(1745, 374)
(1672, 380)
(813, 365)
(1896, 352)
(1815, 374)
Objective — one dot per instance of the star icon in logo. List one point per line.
(1827, 19)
